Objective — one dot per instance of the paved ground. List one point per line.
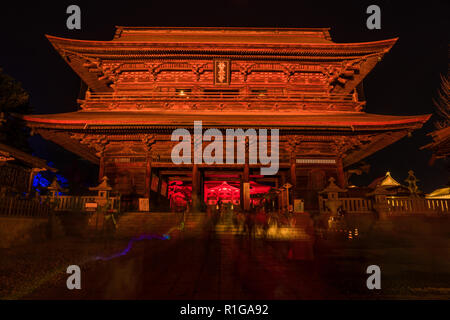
(198, 266)
(27, 268)
(205, 265)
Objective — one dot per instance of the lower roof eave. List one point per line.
(134, 120)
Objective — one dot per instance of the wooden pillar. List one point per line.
(158, 192)
(101, 170)
(246, 173)
(33, 173)
(30, 181)
(283, 194)
(245, 195)
(293, 177)
(277, 185)
(202, 186)
(148, 176)
(148, 141)
(340, 173)
(195, 188)
(241, 192)
(293, 171)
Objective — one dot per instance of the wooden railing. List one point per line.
(357, 205)
(18, 207)
(256, 96)
(23, 207)
(64, 203)
(350, 205)
(418, 205)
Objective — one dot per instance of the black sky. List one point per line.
(404, 83)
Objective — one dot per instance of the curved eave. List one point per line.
(117, 48)
(79, 54)
(147, 120)
(440, 144)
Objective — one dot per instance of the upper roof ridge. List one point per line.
(125, 33)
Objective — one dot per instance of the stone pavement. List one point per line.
(194, 268)
(209, 261)
(197, 264)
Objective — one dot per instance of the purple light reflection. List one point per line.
(130, 245)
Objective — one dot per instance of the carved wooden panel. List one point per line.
(222, 72)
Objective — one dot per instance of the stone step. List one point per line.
(302, 230)
(136, 223)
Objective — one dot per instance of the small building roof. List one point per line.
(55, 186)
(388, 181)
(11, 153)
(103, 186)
(223, 186)
(441, 193)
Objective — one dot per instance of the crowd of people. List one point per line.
(257, 220)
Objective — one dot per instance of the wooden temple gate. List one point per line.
(148, 82)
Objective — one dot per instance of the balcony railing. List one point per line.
(218, 96)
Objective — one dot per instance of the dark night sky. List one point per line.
(404, 83)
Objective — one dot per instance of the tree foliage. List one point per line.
(13, 99)
(442, 104)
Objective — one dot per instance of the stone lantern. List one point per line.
(103, 190)
(383, 189)
(332, 191)
(55, 189)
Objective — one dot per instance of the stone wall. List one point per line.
(421, 225)
(21, 230)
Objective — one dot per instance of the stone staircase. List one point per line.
(133, 224)
(225, 228)
(195, 224)
(199, 225)
(304, 227)
(302, 230)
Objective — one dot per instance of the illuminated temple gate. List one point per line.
(147, 82)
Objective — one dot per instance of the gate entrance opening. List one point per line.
(180, 193)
